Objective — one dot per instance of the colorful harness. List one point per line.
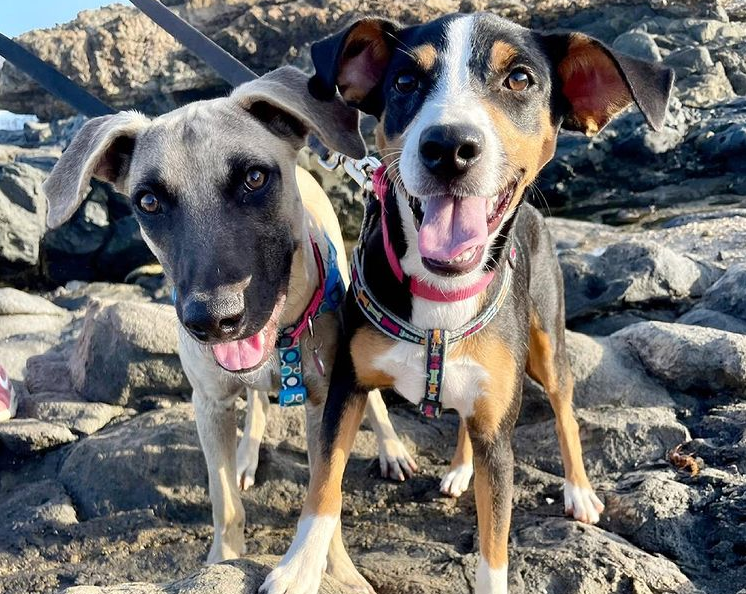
(327, 297)
(435, 340)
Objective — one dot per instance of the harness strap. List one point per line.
(328, 296)
(435, 340)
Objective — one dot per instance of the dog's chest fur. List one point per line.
(406, 362)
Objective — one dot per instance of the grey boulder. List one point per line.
(23, 210)
(152, 461)
(627, 274)
(24, 437)
(245, 576)
(127, 350)
(688, 358)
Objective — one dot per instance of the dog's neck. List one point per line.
(304, 274)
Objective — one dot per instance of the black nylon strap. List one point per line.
(229, 68)
(53, 81)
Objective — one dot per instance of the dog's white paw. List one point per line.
(582, 503)
(302, 567)
(457, 480)
(396, 463)
(292, 579)
(222, 551)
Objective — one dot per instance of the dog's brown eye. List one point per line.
(406, 83)
(517, 80)
(149, 204)
(255, 179)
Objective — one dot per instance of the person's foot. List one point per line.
(8, 402)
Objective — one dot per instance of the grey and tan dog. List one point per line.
(233, 221)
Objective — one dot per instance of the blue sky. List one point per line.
(18, 16)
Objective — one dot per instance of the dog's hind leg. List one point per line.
(216, 426)
(462, 466)
(548, 364)
(247, 455)
(396, 463)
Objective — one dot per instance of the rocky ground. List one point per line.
(101, 476)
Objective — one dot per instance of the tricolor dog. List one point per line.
(456, 290)
(249, 241)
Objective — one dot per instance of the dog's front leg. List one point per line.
(338, 562)
(247, 455)
(216, 426)
(302, 567)
(489, 430)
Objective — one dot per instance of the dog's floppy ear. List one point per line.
(355, 61)
(281, 100)
(102, 149)
(598, 83)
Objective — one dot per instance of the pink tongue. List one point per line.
(450, 227)
(240, 354)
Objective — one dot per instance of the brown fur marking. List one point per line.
(425, 55)
(325, 490)
(495, 357)
(502, 55)
(558, 383)
(524, 151)
(493, 543)
(367, 344)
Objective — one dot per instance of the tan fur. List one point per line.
(524, 152)
(502, 55)
(324, 491)
(493, 541)
(497, 360)
(367, 344)
(426, 55)
(558, 384)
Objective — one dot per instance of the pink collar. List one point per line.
(312, 309)
(416, 286)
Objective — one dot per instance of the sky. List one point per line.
(19, 16)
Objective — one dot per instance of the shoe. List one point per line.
(8, 401)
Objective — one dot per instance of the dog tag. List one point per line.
(319, 363)
(315, 347)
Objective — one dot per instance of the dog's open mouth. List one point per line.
(250, 353)
(453, 232)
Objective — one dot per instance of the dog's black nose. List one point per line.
(448, 151)
(216, 318)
